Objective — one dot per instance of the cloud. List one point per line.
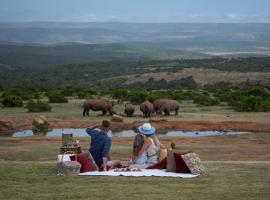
(236, 17)
(85, 17)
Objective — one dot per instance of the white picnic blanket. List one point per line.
(144, 172)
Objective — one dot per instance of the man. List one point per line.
(101, 145)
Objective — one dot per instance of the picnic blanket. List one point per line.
(143, 172)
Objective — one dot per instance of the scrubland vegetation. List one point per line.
(249, 99)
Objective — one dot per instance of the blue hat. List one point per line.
(146, 129)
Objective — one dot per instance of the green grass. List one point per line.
(188, 112)
(223, 181)
(74, 109)
(28, 171)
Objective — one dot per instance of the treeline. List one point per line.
(102, 73)
(250, 99)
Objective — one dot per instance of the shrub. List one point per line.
(12, 101)
(82, 95)
(57, 97)
(178, 95)
(68, 91)
(119, 94)
(137, 96)
(25, 93)
(250, 100)
(223, 95)
(154, 95)
(38, 106)
(252, 104)
(205, 100)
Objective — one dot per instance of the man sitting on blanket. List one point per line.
(101, 145)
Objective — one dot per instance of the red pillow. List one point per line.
(180, 165)
(86, 165)
(160, 165)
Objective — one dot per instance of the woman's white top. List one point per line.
(152, 152)
(150, 155)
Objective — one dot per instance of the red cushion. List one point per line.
(160, 165)
(180, 165)
(84, 161)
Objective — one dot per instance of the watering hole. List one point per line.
(80, 132)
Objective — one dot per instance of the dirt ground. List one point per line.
(162, 124)
(246, 147)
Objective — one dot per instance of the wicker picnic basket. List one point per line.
(68, 168)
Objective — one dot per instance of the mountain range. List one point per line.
(203, 37)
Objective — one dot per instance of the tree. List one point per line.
(57, 97)
(12, 101)
(38, 106)
(120, 93)
(205, 100)
(137, 96)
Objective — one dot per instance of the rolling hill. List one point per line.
(142, 74)
(19, 55)
(246, 38)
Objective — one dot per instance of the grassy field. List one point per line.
(238, 167)
(223, 181)
(188, 112)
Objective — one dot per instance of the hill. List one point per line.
(146, 74)
(37, 55)
(240, 39)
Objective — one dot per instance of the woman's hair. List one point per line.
(137, 144)
(156, 140)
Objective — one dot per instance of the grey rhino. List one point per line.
(169, 105)
(147, 108)
(129, 109)
(103, 105)
(157, 105)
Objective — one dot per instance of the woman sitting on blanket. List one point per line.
(146, 146)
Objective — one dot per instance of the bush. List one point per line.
(119, 94)
(223, 95)
(25, 93)
(68, 91)
(38, 106)
(205, 100)
(252, 104)
(178, 95)
(154, 95)
(137, 96)
(12, 101)
(250, 100)
(57, 97)
(83, 95)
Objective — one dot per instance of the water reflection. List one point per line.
(80, 132)
(201, 133)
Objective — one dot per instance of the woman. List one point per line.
(146, 145)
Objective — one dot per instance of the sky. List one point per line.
(143, 11)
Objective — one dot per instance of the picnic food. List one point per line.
(127, 170)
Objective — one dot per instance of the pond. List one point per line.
(80, 132)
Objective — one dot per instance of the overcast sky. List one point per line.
(136, 10)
